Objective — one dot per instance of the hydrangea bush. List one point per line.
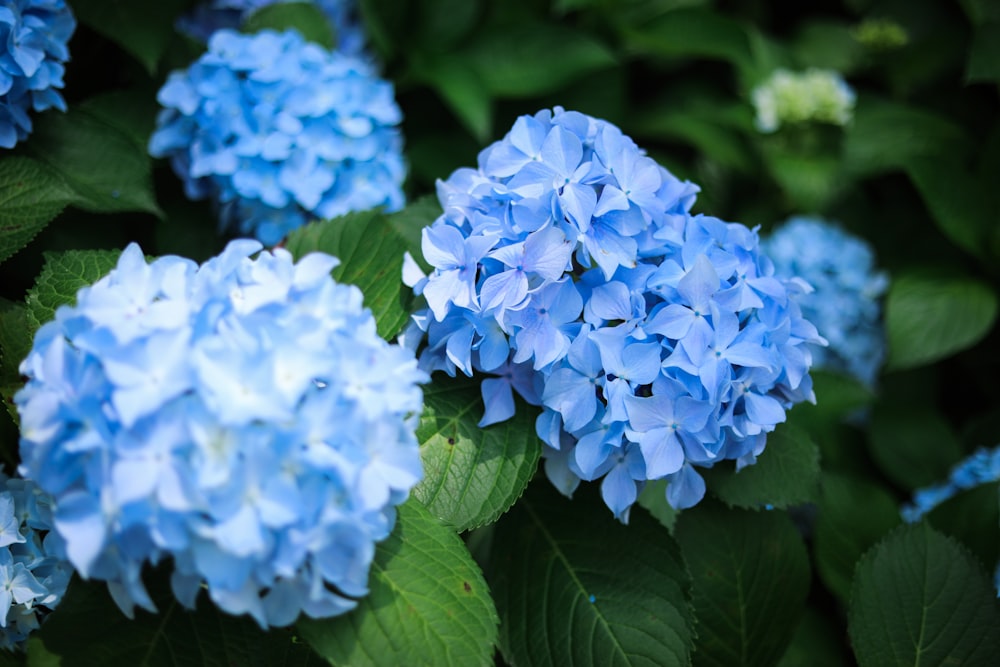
(35, 36)
(845, 301)
(569, 264)
(278, 131)
(241, 418)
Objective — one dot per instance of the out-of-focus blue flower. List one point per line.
(982, 467)
(279, 131)
(241, 418)
(34, 34)
(844, 304)
(33, 572)
(659, 341)
(214, 15)
(788, 98)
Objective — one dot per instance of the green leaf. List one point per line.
(410, 222)
(370, 250)
(101, 163)
(837, 397)
(575, 587)
(714, 130)
(305, 17)
(62, 276)
(428, 605)
(930, 317)
(132, 111)
(786, 473)
(692, 33)
(31, 195)
(472, 475)
(984, 56)
(751, 576)
(972, 517)
(654, 498)
(919, 598)
(957, 198)
(143, 29)
(827, 44)
(853, 515)
(15, 344)
(912, 447)
(443, 23)
(462, 89)
(547, 57)
(90, 631)
(816, 643)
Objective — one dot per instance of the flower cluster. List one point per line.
(278, 131)
(983, 467)
(214, 15)
(845, 305)
(817, 95)
(34, 34)
(569, 266)
(33, 573)
(241, 418)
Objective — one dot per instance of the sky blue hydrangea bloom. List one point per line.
(33, 572)
(845, 305)
(213, 15)
(982, 467)
(568, 265)
(279, 131)
(34, 34)
(241, 418)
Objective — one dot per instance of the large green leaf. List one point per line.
(912, 447)
(692, 33)
(370, 250)
(472, 475)
(305, 17)
(751, 575)
(929, 317)
(957, 198)
(972, 517)
(88, 630)
(102, 163)
(15, 344)
(853, 515)
(143, 29)
(428, 604)
(984, 56)
(547, 57)
(786, 473)
(62, 276)
(827, 44)
(919, 598)
(31, 195)
(461, 87)
(575, 587)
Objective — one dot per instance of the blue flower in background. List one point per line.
(845, 301)
(33, 572)
(214, 15)
(982, 467)
(241, 418)
(658, 341)
(34, 34)
(279, 131)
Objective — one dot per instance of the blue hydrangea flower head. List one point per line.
(213, 15)
(34, 34)
(278, 131)
(33, 571)
(241, 418)
(790, 98)
(845, 302)
(568, 265)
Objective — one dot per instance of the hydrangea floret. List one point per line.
(33, 572)
(789, 98)
(213, 15)
(240, 418)
(569, 266)
(845, 305)
(34, 34)
(279, 131)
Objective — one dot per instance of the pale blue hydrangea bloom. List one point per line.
(33, 571)
(213, 15)
(982, 467)
(569, 266)
(241, 418)
(279, 131)
(845, 305)
(788, 98)
(34, 34)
